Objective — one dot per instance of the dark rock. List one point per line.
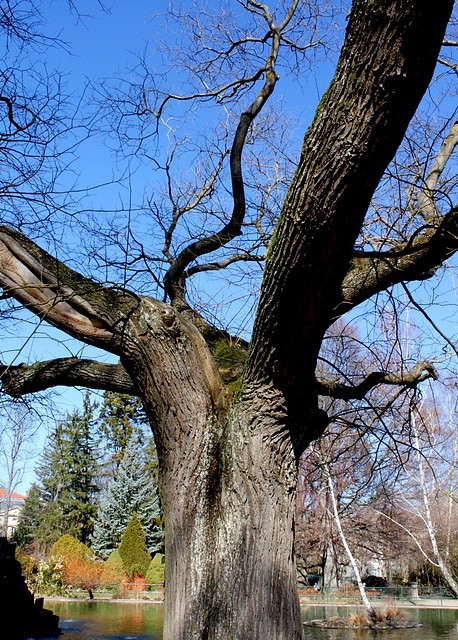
(22, 616)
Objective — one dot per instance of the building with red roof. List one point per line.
(14, 508)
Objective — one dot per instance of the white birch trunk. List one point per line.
(428, 518)
(369, 608)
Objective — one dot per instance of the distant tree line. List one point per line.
(98, 471)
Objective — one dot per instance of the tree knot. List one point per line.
(168, 317)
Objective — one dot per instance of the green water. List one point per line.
(143, 621)
(113, 620)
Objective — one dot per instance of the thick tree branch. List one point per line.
(371, 273)
(81, 307)
(416, 259)
(422, 371)
(426, 198)
(22, 379)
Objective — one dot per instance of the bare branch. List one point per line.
(425, 206)
(418, 259)
(222, 264)
(208, 94)
(429, 319)
(22, 379)
(11, 118)
(174, 281)
(422, 371)
(205, 189)
(414, 537)
(450, 65)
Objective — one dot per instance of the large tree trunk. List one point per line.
(227, 483)
(229, 503)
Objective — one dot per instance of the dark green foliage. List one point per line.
(69, 547)
(51, 525)
(68, 478)
(29, 520)
(156, 570)
(132, 491)
(71, 471)
(120, 417)
(133, 549)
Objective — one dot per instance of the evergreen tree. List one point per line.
(83, 487)
(156, 570)
(133, 549)
(68, 476)
(120, 416)
(132, 491)
(29, 519)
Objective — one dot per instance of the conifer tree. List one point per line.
(68, 478)
(133, 549)
(29, 519)
(132, 491)
(120, 416)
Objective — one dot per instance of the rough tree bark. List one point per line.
(228, 466)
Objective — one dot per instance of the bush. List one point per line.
(69, 547)
(156, 570)
(44, 578)
(133, 549)
(113, 569)
(79, 568)
(135, 584)
(82, 574)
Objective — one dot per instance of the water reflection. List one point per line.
(113, 620)
(143, 621)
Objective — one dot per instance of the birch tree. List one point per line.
(438, 559)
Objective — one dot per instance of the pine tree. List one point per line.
(132, 491)
(67, 476)
(120, 416)
(83, 488)
(29, 519)
(133, 549)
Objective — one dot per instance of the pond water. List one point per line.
(108, 620)
(437, 624)
(143, 621)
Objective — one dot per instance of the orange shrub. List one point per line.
(84, 574)
(135, 584)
